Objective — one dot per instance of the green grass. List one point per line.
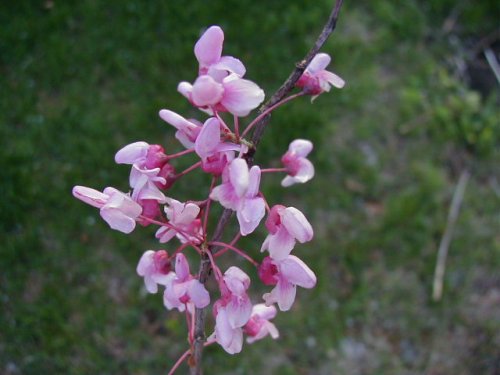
(81, 80)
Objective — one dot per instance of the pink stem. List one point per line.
(235, 249)
(269, 170)
(269, 110)
(225, 249)
(181, 153)
(167, 224)
(221, 120)
(187, 170)
(179, 361)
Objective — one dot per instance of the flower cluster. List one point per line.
(220, 150)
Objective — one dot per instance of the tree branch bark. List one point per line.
(195, 361)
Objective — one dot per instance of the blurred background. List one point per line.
(81, 79)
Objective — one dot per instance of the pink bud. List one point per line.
(268, 271)
(168, 173)
(155, 157)
(273, 220)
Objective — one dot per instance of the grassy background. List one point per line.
(81, 79)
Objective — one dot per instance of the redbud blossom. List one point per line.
(184, 289)
(259, 325)
(208, 51)
(288, 273)
(184, 222)
(233, 94)
(155, 267)
(187, 130)
(299, 168)
(116, 208)
(238, 192)
(316, 79)
(286, 225)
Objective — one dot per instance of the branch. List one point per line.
(288, 85)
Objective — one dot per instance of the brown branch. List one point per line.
(205, 267)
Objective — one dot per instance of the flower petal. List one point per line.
(296, 224)
(198, 294)
(250, 214)
(208, 48)
(332, 78)
(239, 311)
(132, 153)
(208, 139)
(206, 91)
(181, 267)
(280, 244)
(145, 263)
(90, 196)
(301, 147)
(318, 63)
(253, 182)
(239, 176)
(117, 220)
(297, 272)
(240, 95)
(231, 65)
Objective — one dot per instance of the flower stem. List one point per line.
(236, 250)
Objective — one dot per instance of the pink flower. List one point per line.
(233, 94)
(259, 325)
(184, 288)
(238, 192)
(208, 51)
(299, 169)
(286, 274)
(232, 311)
(187, 130)
(155, 267)
(184, 222)
(285, 225)
(316, 79)
(230, 338)
(116, 208)
(210, 147)
(147, 162)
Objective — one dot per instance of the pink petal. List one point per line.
(181, 267)
(231, 339)
(171, 300)
(301, 147)
(236, 280)
(319, 62)
(122, 202)
(231, 65)
(254, 182)
(189, 213)
(132, 153)
(238, 311)
(90, 196)
(332, 78)
(226, 196)
(239, 176)
(296, 224)
(305, 172)
(209, 138)
(208, 48)
(145, 263)
(283, 294)
(198, 294)
(206, 91)
(185, 89)
(297, 272)
(280, 244)
(117, 220)
(165, 234)
(240, 95)
(288, 181)
(264, 312)
(250, 215)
